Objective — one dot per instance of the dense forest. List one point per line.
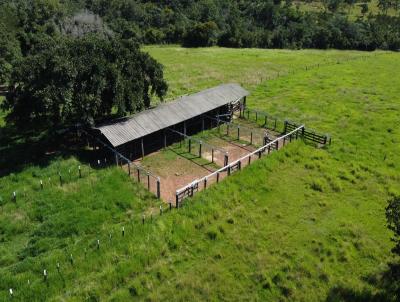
(44, 43)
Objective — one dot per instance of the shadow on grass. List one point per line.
(387, 287)
(22, 148)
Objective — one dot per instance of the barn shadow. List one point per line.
(387, 285)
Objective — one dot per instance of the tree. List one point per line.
(393, 222)
(9, 53)
(201, 34)
(81, 80)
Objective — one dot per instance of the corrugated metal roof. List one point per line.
(166, 115)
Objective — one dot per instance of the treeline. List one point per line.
(253, 23)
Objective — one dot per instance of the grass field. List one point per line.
(303, 224)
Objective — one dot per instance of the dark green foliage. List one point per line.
(393, 220)
(73, 80)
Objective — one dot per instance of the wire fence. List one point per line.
(136, 172)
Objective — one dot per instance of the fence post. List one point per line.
(251, 137)
(158, 188)
(190, 145)
(229, 170)
(238, 133)
(205, 183)
(138, 174)
(277, 145)
(226, 159)
(259, 154)
(148, 181)
(249, 159)
(256, 116)
(177, 200)
(165, 139)
(200, 148)
(212, 155)
(129, 169)
(217, 177)
(248, 114)
(240, 165)
(116, 159)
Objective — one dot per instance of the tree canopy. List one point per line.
(393, 220)
(80, 80)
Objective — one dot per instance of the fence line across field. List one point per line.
(236, 164)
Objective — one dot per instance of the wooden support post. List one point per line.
(290, 138)
(141, 141)
(265, 120)
(248, 114)
(226, 159)
(303, 131)
(158, 188)
(238, 133)
(116, 159)
(184, 127)
(269, 149)
(251, 137)
(148, 181)
(190, 145)
(200, 147)
(217, 177)
(256, 116)
(129, 169)
(212, 155)
(138, 175)
(240, 165)
(297, 134)
(177, 200)
(284, 140)
(285, 127)
(229, 170)
(277, 145)
(259, 154)
(249, 159)
(165, 139)
(205, 183)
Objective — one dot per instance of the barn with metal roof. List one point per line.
(141, 132)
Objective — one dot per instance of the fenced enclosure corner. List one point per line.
(138, 173)
(214, 177)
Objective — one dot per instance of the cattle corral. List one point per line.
(181, 147)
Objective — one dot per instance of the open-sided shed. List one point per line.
(143, 133)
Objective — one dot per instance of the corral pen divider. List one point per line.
(195, 186)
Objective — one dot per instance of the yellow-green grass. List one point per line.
(190, 70)
(303, 224)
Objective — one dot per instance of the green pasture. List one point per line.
(303, 224)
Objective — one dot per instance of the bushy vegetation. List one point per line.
(304, 224)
